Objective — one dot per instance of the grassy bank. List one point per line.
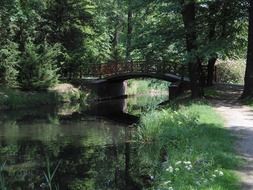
(198, 149)
(146, 86)
(16, 99)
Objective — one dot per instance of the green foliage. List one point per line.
(2, 180)
(15, 99)
(49, 175)
(97, 31)
(135, 87)
(231, 71)
(38, 66)
(9, 57)
(73, 29)
(200, 152)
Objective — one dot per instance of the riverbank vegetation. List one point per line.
(17, 99)
(144, 86)
(231, 71)
(195, 147)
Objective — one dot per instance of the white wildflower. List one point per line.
(221, 173)
(170, 169)
(178, 163)
(187, 163)
(170, 188)
(188, 168)
(167, 182)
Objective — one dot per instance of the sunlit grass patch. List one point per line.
(146, 86)
(199, 150)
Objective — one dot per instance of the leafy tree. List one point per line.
(38, 66)
(9, 59)
(9, 54)
(69, 23)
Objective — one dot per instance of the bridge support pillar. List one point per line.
(176, 89)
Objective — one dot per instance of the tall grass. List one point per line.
(199, 149)
(50, 174)
(145, 86)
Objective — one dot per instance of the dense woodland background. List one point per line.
(42, 40)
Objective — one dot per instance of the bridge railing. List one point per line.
(138, 66)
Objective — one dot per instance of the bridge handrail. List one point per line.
(136, 66)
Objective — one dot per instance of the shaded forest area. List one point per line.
(42, 40)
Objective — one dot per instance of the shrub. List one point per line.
(145, 86)
(9, 56)
(231, 71)
(38, 69)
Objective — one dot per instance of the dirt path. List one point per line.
(239, 119)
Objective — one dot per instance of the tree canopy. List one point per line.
(43, 40)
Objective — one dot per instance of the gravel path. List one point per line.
(239, 119)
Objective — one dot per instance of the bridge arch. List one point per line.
(111, 76)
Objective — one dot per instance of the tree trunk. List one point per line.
(194, 64)
(248, 87)
(210, 71)
(129, 31)
(115, 43)
(213, 8)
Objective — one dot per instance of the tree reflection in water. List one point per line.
(94, 154)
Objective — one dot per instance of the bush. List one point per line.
(38, 70)
(9, 56)
(231, 71)
(15, 99)
(146, 86)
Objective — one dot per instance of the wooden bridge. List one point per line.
(107, 80)
(122, 71)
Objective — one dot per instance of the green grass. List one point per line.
(16, 99)
(145, 86)
(199, 148)
(210, 92)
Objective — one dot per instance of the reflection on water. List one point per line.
(92, 152)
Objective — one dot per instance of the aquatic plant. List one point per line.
(2, 180)
(49, 175)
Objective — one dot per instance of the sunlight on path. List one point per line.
(239, 119)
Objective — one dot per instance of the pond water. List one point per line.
(87, 148)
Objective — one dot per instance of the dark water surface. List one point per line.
(89, 148)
